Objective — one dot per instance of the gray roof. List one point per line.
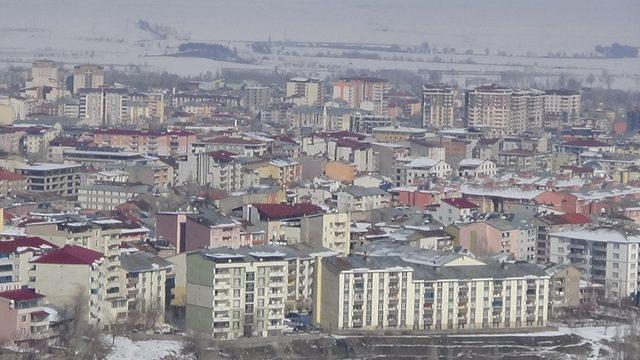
(142, 261)
(433, 273)
(258, 252)
(359, 191)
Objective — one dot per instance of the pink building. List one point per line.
(559, 201)
(193, 231)
(23, 316)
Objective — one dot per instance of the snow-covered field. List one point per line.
(125, 349)
(105, 32)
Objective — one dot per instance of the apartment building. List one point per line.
(607, 257)
(25, 316)
(12, 183)
(61, 179)
(236, 145)
(548, 224)
(230, 295)
(397, 133)
(417, 170)
(257, 97)
(438, 107)
(74, 274)
(305, 91)
(358, 198)
(44, 73)
(452, 210)
(364, 123)
(87, 76)
(103, 157)
(504, 110)
(108, 195)
(104, 106)
(146, 142)
(14, 259)
(276, 219)
(476, 168)
(216, 169)
(329, 230)
(284, 171)
(323, 118)
(146, 276)
(562, 108)
(368, 292)
(362, 92)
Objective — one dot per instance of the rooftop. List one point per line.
(286, 211)
(460, 203)
(20, 295)
(69, 255)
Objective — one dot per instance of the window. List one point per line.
(616, 265)
(616, 256)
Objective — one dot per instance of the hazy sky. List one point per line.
(512, 25)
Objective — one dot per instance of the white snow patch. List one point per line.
(124, 349)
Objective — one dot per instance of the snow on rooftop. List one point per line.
(261, 254)
(600, 235)
(107, 222)
(509, 193)
(49, 166)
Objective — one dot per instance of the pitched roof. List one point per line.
(585, 143)
(286, 211)
(69, 255)
(21, 295)
(34, 242)
(142, 261)
(460, 203)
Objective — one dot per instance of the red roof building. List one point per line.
(27, 242)
(10, 176)
(460, 203)
(70, 255)
(20, 295)
(286, 211)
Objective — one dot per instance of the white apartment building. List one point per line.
(475, 168)
(104, 107)
(358, 198)
(438, 106)
(562, 107)
(368, 292)
(305, 91)
(329, 230)
(604, 256)
(230, 295)
(412, 171)
(107, 196)
(216, 169)
(87, 76)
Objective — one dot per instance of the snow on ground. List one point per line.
(125, 349)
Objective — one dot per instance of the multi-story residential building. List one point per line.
(25, 318)
(61, 179)
(104, 107)
(146, 276)
(146, 142)
(14, 259)
(368, 292)
(329, 230)
(236, 145)
(476, 168)
(499, 234)
(87, 76)
(285, 172)
(74, 276)
(12, 183)
(504, 110)
(358, 198)
(216, 169)
(438, 108)
(257, 97)
(365, 123)
(489, 106)
(305, 91)
(549, 224)
(275, 219)
(564, 288)
(604, 256)
(453, 210)
(189, 231)
(230, 295)
(363, 92)
(415, 171)
(351, 151)
(562, 108)
(397, 133)
(323, 118)
(44, 73)
(155, 174)
(107, 196)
